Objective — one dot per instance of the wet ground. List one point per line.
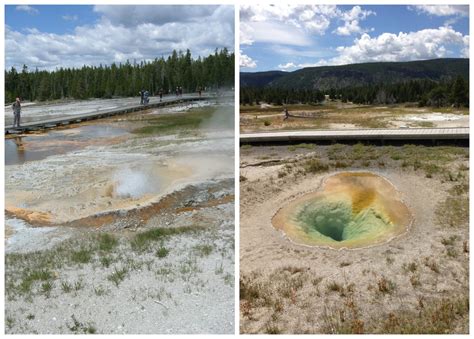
(159, 168)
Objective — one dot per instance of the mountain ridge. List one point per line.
(326, 77)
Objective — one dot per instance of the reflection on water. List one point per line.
(20, 149)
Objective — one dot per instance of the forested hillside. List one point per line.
(437, 82)
(127, 79)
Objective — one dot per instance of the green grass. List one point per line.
(118, 276)
(170, 123)
(30, 278)
(80, 328)
(83, 256)
(315, 166)
(142, 241)
(162, 252)
(293, 148)
(107, 242)
(203, 250)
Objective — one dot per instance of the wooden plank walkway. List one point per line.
(461, 133)
(99, 114)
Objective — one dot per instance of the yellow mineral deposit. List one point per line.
(352, 210)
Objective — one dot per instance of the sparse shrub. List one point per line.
(431, 264)
(415, 280)
(162, 252)
(385, 286)
(315, 166)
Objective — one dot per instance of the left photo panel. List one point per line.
(119, 169)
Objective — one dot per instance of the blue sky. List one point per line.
(50, 19)
(53, 36)
(289, 37)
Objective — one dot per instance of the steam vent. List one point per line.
(352, 210)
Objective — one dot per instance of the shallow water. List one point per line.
(65, 175)
(352, 210)
(24, 148)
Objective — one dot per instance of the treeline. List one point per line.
(278, 96)
(127, 79)
(425, 92)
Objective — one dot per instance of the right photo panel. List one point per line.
(354, 169)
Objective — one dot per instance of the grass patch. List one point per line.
(169, 123)
(142, 241)
(315, 166)
(203, 250)
(107, 242)
(293, 148)
(118, 276)
(83, 256)
(30, 278)
(162, 252)
(453, 212)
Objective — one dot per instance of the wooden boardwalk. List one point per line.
(99, 114)
(402, 134)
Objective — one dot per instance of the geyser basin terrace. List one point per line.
(352, 210)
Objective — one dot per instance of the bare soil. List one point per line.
(416, 283)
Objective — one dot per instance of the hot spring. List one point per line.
(351, 210)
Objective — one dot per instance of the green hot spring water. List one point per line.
(352, 210)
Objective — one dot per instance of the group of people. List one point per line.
(144, 97)
(179, 91)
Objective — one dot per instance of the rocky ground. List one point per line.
(416, 283)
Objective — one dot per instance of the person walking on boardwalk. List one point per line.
(287, 114)
(142, 93)
(146, 98)
(16, 112)
(161, 94)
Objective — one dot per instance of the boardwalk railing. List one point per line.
(402, 134)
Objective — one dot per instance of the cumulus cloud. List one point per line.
(27, 9)
(288, 65)
(352, 21)
(442, 10)
(423, 44)
(304, 20)
(110, 40)
(246, 62)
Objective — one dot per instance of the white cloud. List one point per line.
(287, 66)
(27, 9)
(313, 19)
(108, 41)
(352, 20)
(70, 17)
(136, 15)
(423, 44)
(273, 32)
(246, 62)
(442, 10)
(266, 23)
